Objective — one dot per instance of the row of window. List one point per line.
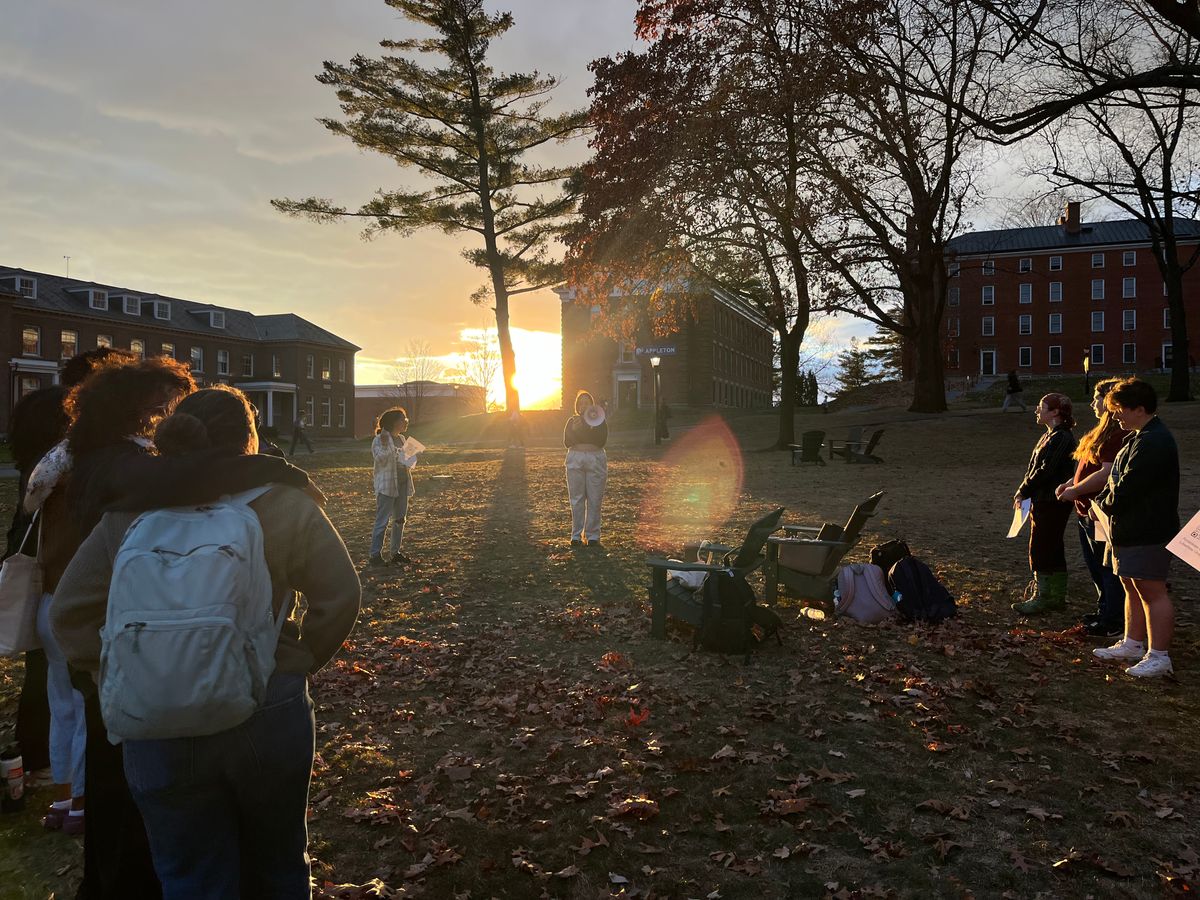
(1054, 323)
(1025, 263)
(738, 364)
(987, 292)
(326, 411)
(1054, 357)
(727, 394)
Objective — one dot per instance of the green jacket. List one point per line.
(1142, 494)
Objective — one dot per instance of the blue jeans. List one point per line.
(1110, 595)
(389, 509)
(226, 813)
(68, 725)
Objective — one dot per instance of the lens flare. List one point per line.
(698, 487)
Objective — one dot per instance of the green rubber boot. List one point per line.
(1040, 601)
(1056, 591)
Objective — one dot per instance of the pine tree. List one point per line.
(853, 368)
(468, 130)
(885, 351)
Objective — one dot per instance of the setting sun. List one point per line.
(539, 370)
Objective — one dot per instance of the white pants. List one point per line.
(587, 474)
(68, 729)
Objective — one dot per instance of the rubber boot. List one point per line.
(1038, 603)
(1056, 591)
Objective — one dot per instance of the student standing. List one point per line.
(587, 469)
(393, 485)
(1049, 466)
(299, 434)
(1142, 500)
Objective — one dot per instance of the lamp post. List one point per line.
(1087, 368)
(655, 361)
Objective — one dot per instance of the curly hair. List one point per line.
(220, 416)
(123, 399)
(388, 418)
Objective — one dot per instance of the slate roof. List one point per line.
(1054, 237)
(54, 294)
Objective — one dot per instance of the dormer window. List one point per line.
(98, 299)
(216, 318)
(132, 304)
(26, 287)
(162, 310)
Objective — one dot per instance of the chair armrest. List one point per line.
(657, 562)
(815, 529)
(806, 542)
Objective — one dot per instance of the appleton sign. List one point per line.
(659, 350)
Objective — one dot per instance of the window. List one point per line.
(138, 348)
(1129, 320)
(1097, 288)
(1026, 293)
(1097, 354)
(954, 269)
(216, 318)
(325, 371)
(989, 294)
(247, 365)
(952, 297)
(1129, 354)
(309, 408)
(1097, 260)
(1167, 318)
(222, 362)
(29, 384)
(310, 364)
(276, 368)
(26, 287)
(989, 326)
(1128, 287)
(167, 350)
(133, 305)
(325, 412)
(1129, 258)
(341, 370)
(1026, 265)
(98, 300)
(162, 310)
(1056, 292)
(1055, 358)
(625, 353)
(1167, 356)
(1056, 264)
(1098, 320)
(952, 327)
(31, 340)
(1055, 323)
(341, 412)
(1025, 357)
(70, 344)
(197, 359)
(952, 358)
(104, 340)
(989, 267)
(1025, 325)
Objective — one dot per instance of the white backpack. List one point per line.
(863, 593)
(189, 640)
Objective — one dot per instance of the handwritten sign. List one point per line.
(1186, 544)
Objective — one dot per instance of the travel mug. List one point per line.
(12, 771)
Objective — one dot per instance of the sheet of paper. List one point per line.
(409, 450)
(1186, 544)
(1103, 524)
(1020, 514)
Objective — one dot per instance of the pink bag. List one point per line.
(864, 594)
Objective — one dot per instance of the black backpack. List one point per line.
(922, 597)
(732, 621)
(888, 554)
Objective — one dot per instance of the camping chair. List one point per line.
(677, 600)
(859, 453)
(809, 448)
(807, 566)
(853, 439)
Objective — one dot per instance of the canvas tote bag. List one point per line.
(20, 594)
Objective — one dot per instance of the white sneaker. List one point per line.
(1151, 667)
(1121, 651)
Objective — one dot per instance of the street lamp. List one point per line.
(655, 362)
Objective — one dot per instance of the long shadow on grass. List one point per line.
(502, 559)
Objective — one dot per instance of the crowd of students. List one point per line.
(203, 814)
(1121, 481)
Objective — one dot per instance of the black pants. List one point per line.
(33, 714)
(116, 854)
(1047, 523)
(299, 435)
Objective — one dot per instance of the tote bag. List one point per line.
(20, 594)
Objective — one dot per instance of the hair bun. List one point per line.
(180, 433)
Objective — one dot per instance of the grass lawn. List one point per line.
(501, 725)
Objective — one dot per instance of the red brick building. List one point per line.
(1038, 299)
(285, 364)
(424, 401)
(721, 357)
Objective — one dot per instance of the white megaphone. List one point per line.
(594, 415)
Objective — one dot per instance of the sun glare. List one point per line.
(539, 370)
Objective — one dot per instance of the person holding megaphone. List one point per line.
(587, 469)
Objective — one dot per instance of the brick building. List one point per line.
(721, 357)
(424, 401)
(1038, 299)
(283, 362)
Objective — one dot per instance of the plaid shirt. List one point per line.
(387, 465)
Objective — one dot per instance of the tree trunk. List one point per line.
(789, 361)
(508, 358)
(929, 384)
(1181, 376)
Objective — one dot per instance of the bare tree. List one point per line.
(414, 373)
(481, 365)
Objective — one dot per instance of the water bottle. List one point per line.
(896, 598)
(837, 599)
(12, 773)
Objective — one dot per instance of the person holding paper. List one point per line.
(1141, 499)
(1095, 455)
(584, 436)
(393, 484)
(1049, 466)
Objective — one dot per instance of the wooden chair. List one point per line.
(807, 566)
(866, 454)
(853, 439)
(809, 449)
(681, 602)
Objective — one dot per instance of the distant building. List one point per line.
(424, 401)
(283, 362)
(721, 357)
(1038, 299)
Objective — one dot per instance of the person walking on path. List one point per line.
(299, 434)
(1141, 499)
(1049, 467)
(585, 435)
(1015, 393)
(393, 485)
(1095, 455)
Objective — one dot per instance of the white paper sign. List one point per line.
(1020, 514)
(409, 450)
(1103, 524)
(1186, 544)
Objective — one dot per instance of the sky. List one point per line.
(145, 139)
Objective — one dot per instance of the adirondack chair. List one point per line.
(677, 600)
(809, 448)
(853, 439)
(866, 454)
(807, 566)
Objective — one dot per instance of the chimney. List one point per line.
(1070, 217)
